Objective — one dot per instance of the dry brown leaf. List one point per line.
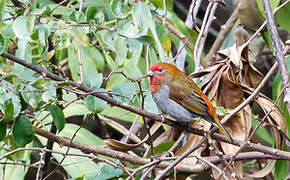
(191, 141)
(124, 147)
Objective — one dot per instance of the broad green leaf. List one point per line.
(119, 113)
(22, 131)
(126, 90)
(23, 26)
(92, 78)
(282, 17)
(62, 10)
(2, 42)
(106, 172)
(94, 104)
(43, 33)
(164, 37)
(121, 49)
(76, 166)
(3, 128)
(150, 105)
(142, 19)
(95, 15)
(32, 97)
(118, 9)
(24, 52)
(73, 64)
(58, 116)
(13, 171)
(75, 110)
(163, 147)
(6, 96)
(7, 109)
(79, 37)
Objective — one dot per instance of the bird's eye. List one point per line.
(160, 70)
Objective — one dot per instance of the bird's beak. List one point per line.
(150, 73)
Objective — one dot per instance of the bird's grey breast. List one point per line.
(168, 106)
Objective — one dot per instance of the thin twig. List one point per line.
(225, 29)
(181, 52)
(277, 50)
(179, 159)
(200, 42)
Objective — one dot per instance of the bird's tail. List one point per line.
(219, 125)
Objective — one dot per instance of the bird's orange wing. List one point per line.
(184, 94)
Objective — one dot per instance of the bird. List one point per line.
(176, 95)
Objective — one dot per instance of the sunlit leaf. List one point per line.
(23, 26)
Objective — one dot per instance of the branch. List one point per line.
(277, 50)
(225, 29)
(108, 152)
(176, 32)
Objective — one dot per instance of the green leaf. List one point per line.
(159, 4)
(79, 37)
(58, 116)
(23, 27)
(120, 113)
(94, 104)
(281, 168)
(2, 8)
(142, 19)
(163, 147)
(282, 17)
(3, 128)
(16, 172)
(4, 97)
(106, 172)
(22, 131)
(273, 4)
(263, 133)
(117, 9)
(73, 64)
(79, 166)
(62, 10)
(267, 37)
(7, 111)
(126, 90)
(75, 109)
(93, 13)
(2, 43)
(32, 98)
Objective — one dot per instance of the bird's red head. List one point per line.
(161, 73)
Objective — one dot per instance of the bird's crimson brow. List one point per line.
(155, 68)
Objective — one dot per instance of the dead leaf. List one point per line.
(124, 147)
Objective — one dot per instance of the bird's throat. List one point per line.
(155, 84)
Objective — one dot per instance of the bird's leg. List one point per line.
(163, 116)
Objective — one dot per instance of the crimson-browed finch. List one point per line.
(178, 96)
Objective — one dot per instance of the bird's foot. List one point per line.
(185, 123)
(163, 116)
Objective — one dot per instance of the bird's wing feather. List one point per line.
(184, 94)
